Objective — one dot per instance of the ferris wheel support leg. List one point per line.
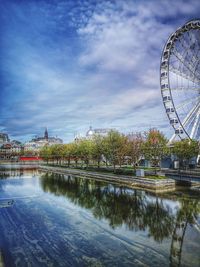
(172, 139)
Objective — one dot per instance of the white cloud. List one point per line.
(115, 80)
(118, 42)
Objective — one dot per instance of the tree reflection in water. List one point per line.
(118, 205)
(135, 209)
(186, 215)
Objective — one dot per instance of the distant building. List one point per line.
(99, 131)
(132, 136)
(38, 142)
(91, 133)
(8, 148)
(4, 138)
(11, 148)
(46, 135)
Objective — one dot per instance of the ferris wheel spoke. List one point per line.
(192, 59)
(182, 88)
(189, 119)
(195, 46)
(187, 102)
(191, 68)
(195, 37)
(188, 65)
(195, 126)
(183, 75)
(191, 115)
(190, 125)
(196, 67)
(183, 43)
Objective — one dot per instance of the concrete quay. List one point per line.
(147, 184)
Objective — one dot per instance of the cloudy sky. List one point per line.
(67, 64)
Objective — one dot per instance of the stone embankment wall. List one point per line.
(162, 185)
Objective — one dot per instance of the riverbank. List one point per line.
(148, 184)
(18, 165)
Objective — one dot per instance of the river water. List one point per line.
(57, 220)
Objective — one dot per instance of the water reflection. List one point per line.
(78, 222)
(120, 205)
(187, 215)
(16, 172)
(136, 209)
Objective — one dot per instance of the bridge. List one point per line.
(189, 176)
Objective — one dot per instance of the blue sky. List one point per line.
(68, 64)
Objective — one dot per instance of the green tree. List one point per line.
(45, 153)
(112, 145)
(85, 150)
(75, 152)
(68, 150)
(57, 152)
(97, 148)
(185, 150)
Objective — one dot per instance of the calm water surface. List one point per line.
(56, 220)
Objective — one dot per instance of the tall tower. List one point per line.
(46, 136)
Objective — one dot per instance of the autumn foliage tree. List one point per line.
(155, 147)
(135, 144)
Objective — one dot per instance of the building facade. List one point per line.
(4, 138)
(9, 149)
(38, 142)
(92, 132)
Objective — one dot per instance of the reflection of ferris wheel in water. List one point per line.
(180, 80)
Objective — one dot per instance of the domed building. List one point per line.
(98, 131)
(90, 132)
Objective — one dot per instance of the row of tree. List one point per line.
(117, 149)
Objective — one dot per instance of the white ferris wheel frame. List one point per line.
(170, 108)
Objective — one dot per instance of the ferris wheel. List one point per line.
(180, 80)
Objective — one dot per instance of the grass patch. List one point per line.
(123, 171)
(156, 177)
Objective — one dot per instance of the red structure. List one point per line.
(31, 158)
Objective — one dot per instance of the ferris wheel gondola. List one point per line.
(180, 80)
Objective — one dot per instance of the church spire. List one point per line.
(46, 136)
